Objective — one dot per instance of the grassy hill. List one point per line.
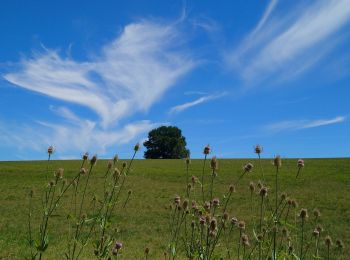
(323, 184)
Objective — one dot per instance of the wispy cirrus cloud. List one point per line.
(182, 107)
(129, 75)
(284, 45)
(302, 124)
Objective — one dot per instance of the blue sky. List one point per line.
(87, 76)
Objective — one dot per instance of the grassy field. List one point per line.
(323, 184)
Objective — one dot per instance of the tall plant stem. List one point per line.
(302, 239)
(202, 180)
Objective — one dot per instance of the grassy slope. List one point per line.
(324, 184)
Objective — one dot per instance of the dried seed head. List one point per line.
(303, 214)
(214, 163)
(232, 188)
(283, 196)
(248, 167)
(328, 241)
(85, 156)
(202, 221)
(225, 216)
(216, 202)
(109, 164)
(194, 179)
(234, 221)
(241, 225)
(316, 213)
(245, 240)
(277, 162)
(146, 250)
(93, 160)
(118, 245)
(294, 203)
(124, 164)
(137, 147)
(115, 159)
(59, 173)
(263, 192)
(258, 149)
(177, 200)
(188, 161)
(316, 233)
(252, 186)
(339, 244)
(207, 206)
(82, 171)
(50, 150)
(206, 150)
(185, 204)
(300, 163)
(213, 224)
(260, 185)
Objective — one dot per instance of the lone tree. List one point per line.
(166, 142)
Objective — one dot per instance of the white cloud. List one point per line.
(302, 124)
(289, 43)
(128, 76)
(182, 107)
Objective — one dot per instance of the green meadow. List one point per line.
(323, 184)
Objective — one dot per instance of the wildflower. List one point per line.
(300, 163)
(216, 202)
(85, 156)
(316, 233)
(214, 163)
(234, 221)
(93, 160)
(116, 248)
(207, 206)
(251, 187)
(328, 241)
(177, 200)
(277, 162)
(59, 173)
(248, 167)
(263, 192)
(245, 240)
(241, 225)
(82, 171)
(50, 150)
(202, 221)
(258, 149)
(213, 224)
(303, 214)
(206, 150)
(137, 147)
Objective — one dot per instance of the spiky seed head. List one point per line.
(85, 156)
(137, 147)
(50, 150)
(316, 233)
(283, 196)
(93, 160)
(216, 202)
(263, 192)
(241, 225)
(202, 221)
(207, 206)
(213, 224)
(316, 213)
(124, 164)
(177, 200)
(115, 159)
(277, 162)
(328, 241)
(245, 240)
(146, 250)
(294, 203)
(109, 164)
(118, 245)
(206, 150)
(339, 244)
(82, 171)
(300, 163)
(214, 163)
(185, 204)
(248, 167)
(234, 221)
(258, 149)
(289, 202)
(59, 173)
(303, 214)
(232, 188)
(251, 186)
(225, 216)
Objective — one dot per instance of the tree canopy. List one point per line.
(166, 142)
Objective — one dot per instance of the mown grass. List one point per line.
(323, 184)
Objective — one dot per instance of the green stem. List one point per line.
(202, 180)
